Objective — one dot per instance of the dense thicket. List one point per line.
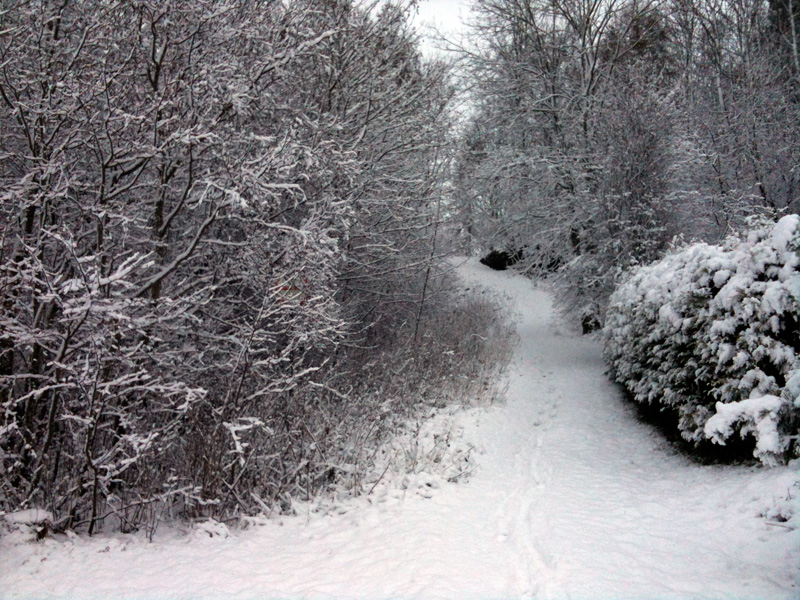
(217, 252)
(603, 128)
(712, 335)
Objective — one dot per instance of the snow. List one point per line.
(211, 528)
(29, 516)
(674, 338)
(760, 414)
(571, 497)
(784, 232)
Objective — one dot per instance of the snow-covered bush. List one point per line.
(712, 333)
(28, 525)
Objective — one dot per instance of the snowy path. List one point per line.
(573, 499)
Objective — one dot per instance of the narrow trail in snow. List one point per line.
(573, 499)
(602, 507)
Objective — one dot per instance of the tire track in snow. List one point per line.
(538, 409)
(521, 514)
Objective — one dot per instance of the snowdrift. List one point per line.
(713, 334)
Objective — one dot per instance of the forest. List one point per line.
(225, 225)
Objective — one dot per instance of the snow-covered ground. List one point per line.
(572, 498)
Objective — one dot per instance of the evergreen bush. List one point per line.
(711, 333)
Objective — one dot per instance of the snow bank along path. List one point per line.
(572, 499)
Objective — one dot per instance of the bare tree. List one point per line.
(605, 128)
(211, 213)
(570, 159)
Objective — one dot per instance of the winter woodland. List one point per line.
(224, 227)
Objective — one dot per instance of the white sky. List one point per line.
(444, 15)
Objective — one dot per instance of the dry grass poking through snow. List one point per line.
(402, 427)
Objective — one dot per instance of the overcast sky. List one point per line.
(445, 15)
